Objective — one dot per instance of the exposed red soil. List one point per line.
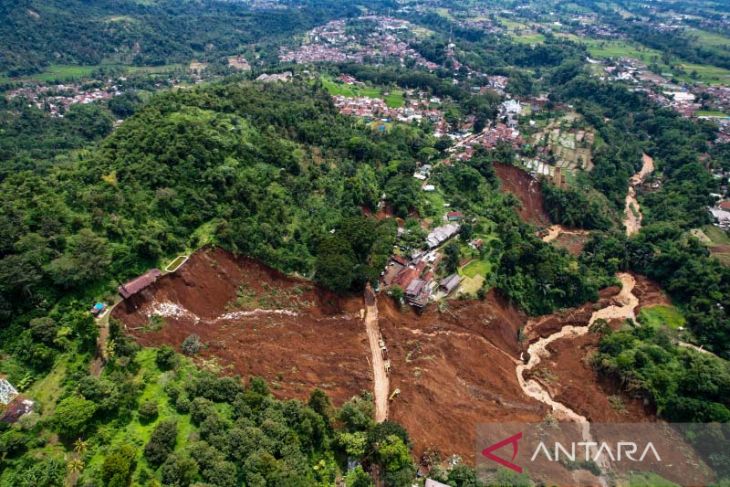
(454, 370)
(527, 189)
(544, 326)
(572, 242)
(568, 374)
(321, 344)
(649, 293)
(571, 380)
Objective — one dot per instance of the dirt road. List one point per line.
(381, 383)
(632, 210)
(102, 323)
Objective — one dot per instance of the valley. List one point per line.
(321, 243)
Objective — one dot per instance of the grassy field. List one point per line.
(711, 39)
(481, 265)
(175, 263)
(706, 73)
(444, 12)
(617, 49)
(660, 315)
(394, 98)
(470, 285)
(65, 72)
(711, 113)
(434, 204)
(335, 88)
(717, 236)
(512, 25)
(720, 243)
(477, 268)
(601, 49)
(521, 33)
(568, 36)
(535, 38)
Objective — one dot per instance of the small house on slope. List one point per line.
(130, 288)
(448, 284)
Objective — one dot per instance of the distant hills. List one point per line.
(37, 33)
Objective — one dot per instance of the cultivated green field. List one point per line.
(711, 113)
(688, 72)
(521, 32)
(394, 98)
(717, 236)
(711, 39)
(529, 38)
(67, 72)
(617, 49)
(63, 72)
(719, 243)
(477, 268)
(703, 72)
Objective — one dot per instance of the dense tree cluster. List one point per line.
(252, 164)
(686, 386)
(534, 275)
(582, 207)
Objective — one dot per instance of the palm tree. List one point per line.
(75, 465)
(80, 447)
(110, 348)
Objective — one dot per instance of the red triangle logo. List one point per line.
(514, 441)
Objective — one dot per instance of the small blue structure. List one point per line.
(98, 309)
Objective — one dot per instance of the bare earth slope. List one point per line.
(296, 336)
(449, 369)
(527, 189)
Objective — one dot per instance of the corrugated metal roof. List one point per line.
(134, 286)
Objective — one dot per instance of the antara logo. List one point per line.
(625, 450)
(514, 441)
